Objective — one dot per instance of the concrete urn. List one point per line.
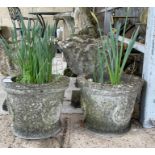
(35, 108)
(109, 108)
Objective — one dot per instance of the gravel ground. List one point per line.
(77, 136)
(136, 137)
(8, 140)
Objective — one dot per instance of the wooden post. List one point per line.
(107, 21)
(148, 103)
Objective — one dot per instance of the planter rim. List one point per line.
(8, 79)
(131, 81)
(54, 86)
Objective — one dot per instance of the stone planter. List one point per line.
(109, 108)
(35, 109)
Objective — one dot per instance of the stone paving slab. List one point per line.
(136, 137)
(8, 140)
(77, 136)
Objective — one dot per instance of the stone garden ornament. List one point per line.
(80, 48)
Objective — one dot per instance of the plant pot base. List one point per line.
(108, 130)
(25, 134)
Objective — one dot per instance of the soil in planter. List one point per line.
(53, 79)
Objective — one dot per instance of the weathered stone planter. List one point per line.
(109, 108)
(35, 109)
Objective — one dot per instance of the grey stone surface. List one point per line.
(35, 109)
(68, 109)
(6, 66)
(68, 91)
(80, 53)
(9, 140)
(76, 135)
(83, 21)
(109, 108)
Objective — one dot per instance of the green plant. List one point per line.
(33, 54)
(111, 56)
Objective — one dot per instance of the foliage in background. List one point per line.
(34, 53)
(111, 54)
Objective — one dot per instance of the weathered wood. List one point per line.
(148, 104)
(138, 46)
(107, 22)
(106, 9)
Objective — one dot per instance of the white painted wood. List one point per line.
(107, 21)
(107, 9)
(148, 104)
(138, 46)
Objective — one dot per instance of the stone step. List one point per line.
(2, 97)
(69, 109)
